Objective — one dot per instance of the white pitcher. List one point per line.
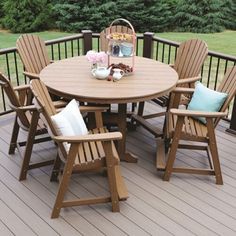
(118, 74)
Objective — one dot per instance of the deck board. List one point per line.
(5, 230)
(187, 205)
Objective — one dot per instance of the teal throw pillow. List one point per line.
(205, 99)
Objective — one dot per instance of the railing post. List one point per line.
(232, 127)
(148, 44)
(87, 40)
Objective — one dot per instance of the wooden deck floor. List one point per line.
(187, 205)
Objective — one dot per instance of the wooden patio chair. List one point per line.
(183, 126)
(89, 152)
(33, 54)
(27, 119)
(189, 60)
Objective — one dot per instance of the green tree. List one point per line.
(148, 15)
(77, 15)
(27, 15)
(1, 11)
(203, 16)
(228, 7)
(145, 15)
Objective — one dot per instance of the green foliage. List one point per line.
(149, 15)
(26, 15)
(205, 16)
(78, 15)
(145, 15)
(228, 7)
(1, 11)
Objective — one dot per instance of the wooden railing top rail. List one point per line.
(47, 42)
(7, 50)
(211, 53)
(64, 39)
(96, 35)
(172, 43)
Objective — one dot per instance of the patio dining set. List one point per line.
(63, 98)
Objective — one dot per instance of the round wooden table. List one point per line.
(71, 78)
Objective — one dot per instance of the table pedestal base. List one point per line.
(121, 144)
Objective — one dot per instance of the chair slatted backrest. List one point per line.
(114, 28)
(190, 57)
(46, 107)
(228, 85)
(44, 101)
(14, 101)
(33, 53)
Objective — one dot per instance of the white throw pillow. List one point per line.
(69, 121)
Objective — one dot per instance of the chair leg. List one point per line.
(134, 105)
(64, 181)
(121, 187)
(173, 149)
(132, 121)
(214, 151)
(56, 169)
(14, 136)
(167, 144)
(167, 114)
(29, 145)
(209, 156)
(111, 176)
(140, 108)
(160, 155)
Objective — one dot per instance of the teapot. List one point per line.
(118, 74)
(101, 72)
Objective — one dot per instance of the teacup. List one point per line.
(126, 49)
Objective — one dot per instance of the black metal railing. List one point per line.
(148, 45)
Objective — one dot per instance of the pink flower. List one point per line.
(96, 57)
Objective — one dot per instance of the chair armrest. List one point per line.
(59, 107)
(24, 108)
(31, 75)
(183, 90)
(206, 114)
(89, 137)
(92, 109)
(22, 87)
(25, 94)
(188, 80)
(60, 104)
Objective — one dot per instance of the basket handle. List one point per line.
(122, 19)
